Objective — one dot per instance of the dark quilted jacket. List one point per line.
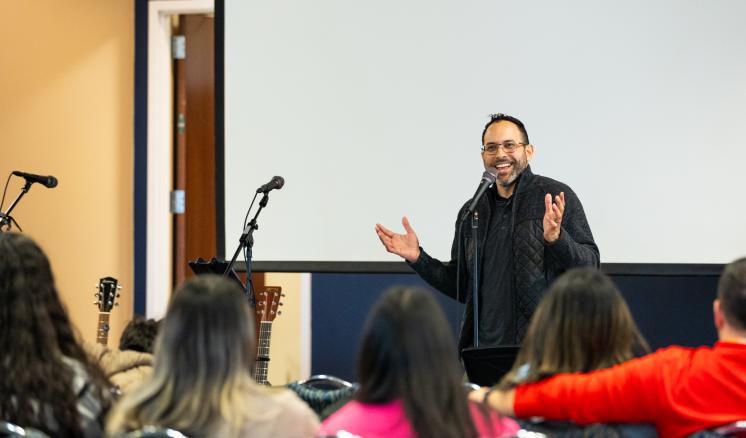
(535, 264)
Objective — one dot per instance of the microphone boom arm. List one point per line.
(6, 218)
(247, 241)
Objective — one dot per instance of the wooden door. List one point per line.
(194, 149)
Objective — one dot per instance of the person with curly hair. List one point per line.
(47, 381)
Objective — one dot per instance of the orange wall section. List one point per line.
(66, 109)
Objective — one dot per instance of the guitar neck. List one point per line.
(262, 353)
(102, 333)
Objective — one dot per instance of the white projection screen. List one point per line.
(374, 110)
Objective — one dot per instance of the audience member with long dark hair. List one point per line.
(201, 383)
(581, 324)
(47, 381)
(410, 379)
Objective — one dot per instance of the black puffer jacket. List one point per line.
(535, 263)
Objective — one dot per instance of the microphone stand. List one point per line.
(475, 283)
(247, 241)
(6, 218)
(487, 177)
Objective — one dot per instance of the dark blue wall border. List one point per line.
(340, 304)
(669, 310)
(140, 200)
(220, 128)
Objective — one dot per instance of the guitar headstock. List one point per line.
(267, 303)
(107, 294)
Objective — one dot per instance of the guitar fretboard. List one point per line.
(262, 353)
(102, 334)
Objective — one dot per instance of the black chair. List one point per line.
(323, 393)
(736, 429)
(153, 432)
(567, 429)
(325, 381)
(340, 434)
(523, 433)
(10, 430)
(471, 386)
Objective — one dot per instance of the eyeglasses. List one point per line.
(508, 147)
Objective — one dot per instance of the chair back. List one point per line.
(323, 393)
(736, 429)
(325, 381)
(153, 432)
(10, 430)
(340, 434)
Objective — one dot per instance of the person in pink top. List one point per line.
(410, 378)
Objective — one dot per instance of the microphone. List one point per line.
(488, 180)
(275, 183)
(47, 181)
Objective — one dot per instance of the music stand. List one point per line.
(485, 366)
(214, 266)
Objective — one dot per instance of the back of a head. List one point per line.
(27, 289)
(204, 352)
(581, 324)
(206, 335)
(139, 335)
(28, 282)
(732, 294)
(35, 331)
(408, 353)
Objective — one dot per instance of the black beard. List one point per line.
(518, 168)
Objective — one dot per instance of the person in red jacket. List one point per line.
(679, 390)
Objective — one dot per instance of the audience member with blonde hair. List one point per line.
(678, 389)
(410, 378)
(581, 324)
(47, 381)
(201, 383)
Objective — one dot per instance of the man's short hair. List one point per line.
(500, 117)
(139, 335)
(732, 293)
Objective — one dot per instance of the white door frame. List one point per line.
(159, 265)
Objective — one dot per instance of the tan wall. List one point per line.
(285, 344)
(66, 104)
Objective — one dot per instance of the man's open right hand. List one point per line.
(404, 245)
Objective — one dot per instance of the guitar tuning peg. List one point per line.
(95, 303)
(280, 312)
(282, 295)
(282, 304)
(95, 286)
(95, 295)
(119, 286)
(118, 295)
(116, 304)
